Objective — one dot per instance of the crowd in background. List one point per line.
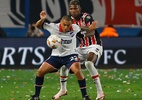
(106, 31)
(33, 31)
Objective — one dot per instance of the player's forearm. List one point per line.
(87, 29)
(39, 23)
(91, 33)
(84, 28)
(93, 26)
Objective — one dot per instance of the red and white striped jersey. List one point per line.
(86, 20)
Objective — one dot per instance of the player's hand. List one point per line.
(93, 26)
(43, 15)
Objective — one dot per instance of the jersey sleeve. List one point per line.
(76, 28)
(88, 19)
(48, 26)
(80, 35)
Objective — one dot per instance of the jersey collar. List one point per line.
(61, 30)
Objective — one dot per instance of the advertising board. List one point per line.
(31, 52)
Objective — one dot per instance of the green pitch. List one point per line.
(118, 84)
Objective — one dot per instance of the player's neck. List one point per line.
(77, 18)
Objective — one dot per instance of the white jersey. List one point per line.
(68, 39)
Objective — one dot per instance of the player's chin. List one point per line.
(74, 15)
(65, 31)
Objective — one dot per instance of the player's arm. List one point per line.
(91, 25)
(40, 22)
(90, 28)
(80, 35)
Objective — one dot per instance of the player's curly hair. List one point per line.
(74, 2)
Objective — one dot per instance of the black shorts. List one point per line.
(57, 62)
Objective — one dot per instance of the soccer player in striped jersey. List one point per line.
(90, 49)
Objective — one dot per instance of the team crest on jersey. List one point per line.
(88, 17)
(72, 34)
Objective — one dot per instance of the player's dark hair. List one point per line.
(67, 18)
(74, 2)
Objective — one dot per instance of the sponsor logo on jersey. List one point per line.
(66, 41)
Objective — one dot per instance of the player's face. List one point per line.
(66, 25)
(75, 10)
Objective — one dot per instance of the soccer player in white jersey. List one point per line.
(90, 49)
(63, 55)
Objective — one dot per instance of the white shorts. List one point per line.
(83, 52)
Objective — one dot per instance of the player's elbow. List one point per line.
(38, 26)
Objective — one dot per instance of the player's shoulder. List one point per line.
(87, 17)
(55, 25)
(84, 14)
(51, 24)
(75, 27)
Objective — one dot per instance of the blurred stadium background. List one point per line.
(17, 51)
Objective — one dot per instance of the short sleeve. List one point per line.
(88, 19)
(49, 26)
(76, 28)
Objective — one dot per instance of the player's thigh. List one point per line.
(82, 53)
(45, 68)
(75, 67)
(94, 50)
